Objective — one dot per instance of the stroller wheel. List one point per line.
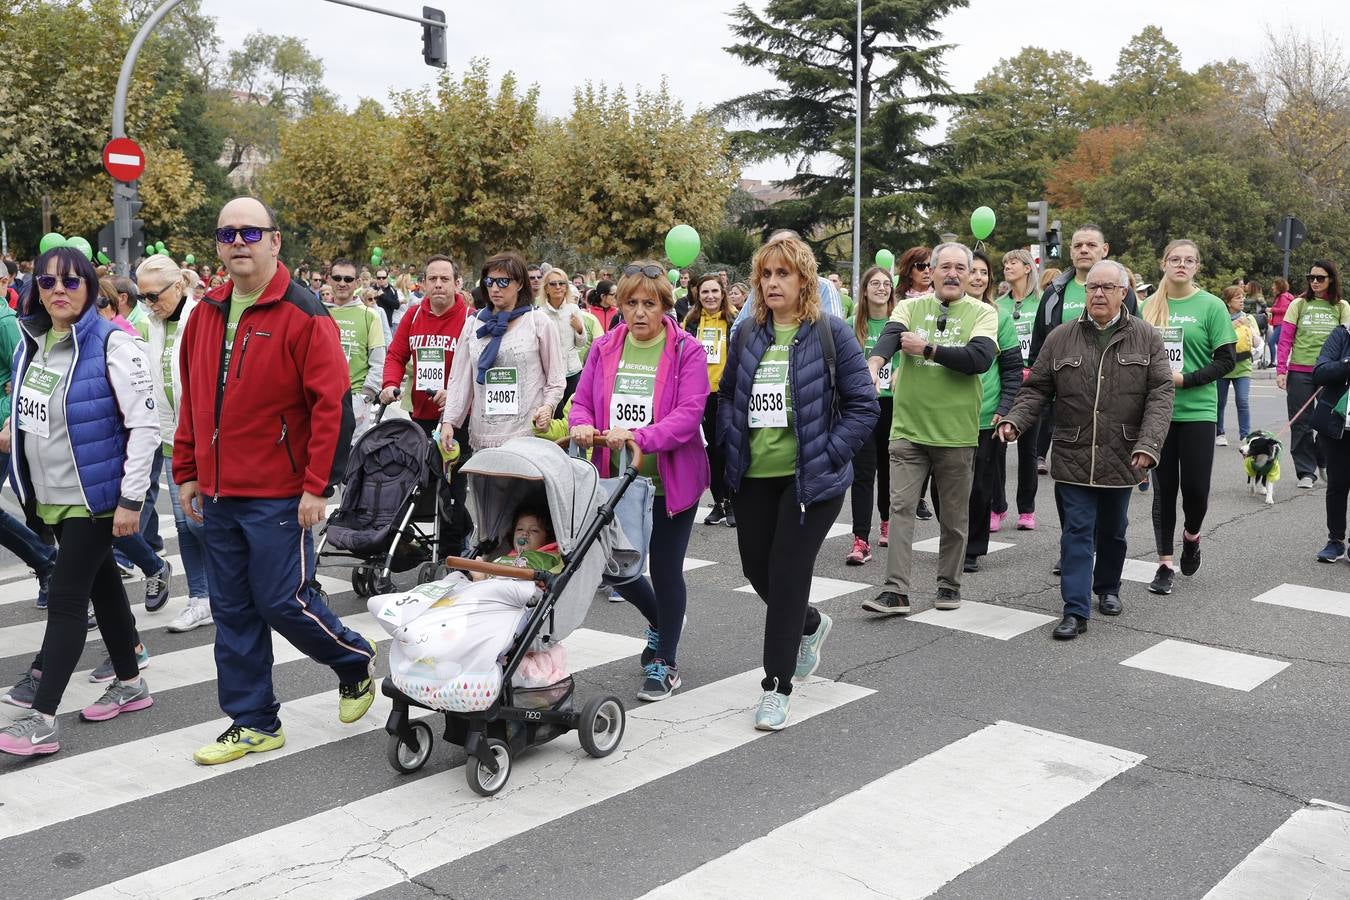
(402, 757)
(483, 782)
(601, 727)
(426, 572)
(363, 582)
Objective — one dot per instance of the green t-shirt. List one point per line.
(847, 303)
(238, 303)
(936, 406)
(874, 329)
(166, 371)
(773, 436)
(1314, 320)
(1023, 314)
(632, 403)
(52, 513)
(140, 320)
(1196, 326)
(1243, 369)
(1075, 301)
(991, 382)
(360, 331)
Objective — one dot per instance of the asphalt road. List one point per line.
(928, 760)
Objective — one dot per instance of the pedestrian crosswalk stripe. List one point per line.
(1225, 668)
(84, 783)
(836, 530)
(912, 831)
(390, 837)
(1139, 570)
(933, 545)
(1311, 599)
(1306, 857)
(689, 565)
(985, 619)
(25, 590)
(822, 589)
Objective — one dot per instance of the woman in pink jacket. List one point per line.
(647, 381)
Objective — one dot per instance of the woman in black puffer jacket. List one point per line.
(789, 432)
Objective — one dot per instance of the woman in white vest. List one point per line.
(166, 294)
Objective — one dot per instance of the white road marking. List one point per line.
(1225, 668)
(1308, 858)
(932, 545)
(1296, 596)
(985, 619)
(822, 589)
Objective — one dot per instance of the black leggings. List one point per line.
(1186, 464)
(716, 460)
(1028, 479)
(982, 494)
(455, 521)
(778, 555)
(663, 600)
(866, 470)
(84, 572)
(1338, 482)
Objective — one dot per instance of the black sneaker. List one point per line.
(1190, 556)
(716, 516)
(730, 514)
(660, 683)
(947, 598)
(972, 564)
(1162, 581)
(888, 603)
(923, 512)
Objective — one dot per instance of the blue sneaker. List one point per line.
(649, 652)
(772, 714)
(1333, 551)
(661, 681)
(105, 672)
(808, 652)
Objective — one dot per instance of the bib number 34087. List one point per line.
(503, 392)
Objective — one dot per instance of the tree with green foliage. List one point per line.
(810, 47)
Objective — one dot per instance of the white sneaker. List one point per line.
(1221, 441)
(1306, 482)
(196, 613)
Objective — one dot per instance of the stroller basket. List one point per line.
(552, 696)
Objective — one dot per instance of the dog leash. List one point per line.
(1302, 409)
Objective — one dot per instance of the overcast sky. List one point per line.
(560, 45)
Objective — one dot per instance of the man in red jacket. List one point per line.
(264, 425)
(427, 334)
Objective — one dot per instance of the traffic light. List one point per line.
(1038, 213)
(1051, 242)
(433, 38)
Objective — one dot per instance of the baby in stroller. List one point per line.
(450, 635)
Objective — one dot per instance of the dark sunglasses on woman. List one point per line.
(69, 282)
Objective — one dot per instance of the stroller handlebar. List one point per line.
(496, 569)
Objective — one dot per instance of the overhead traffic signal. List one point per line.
(1051, 242)
(1037, 216)
(433, 38)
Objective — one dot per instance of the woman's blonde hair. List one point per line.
(165, 268)
(1156, 310)
(543, 290)
(797, 256)
(628, 285)
(1023, 256)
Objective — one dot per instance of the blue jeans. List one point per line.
(1273, 338)
(191, 536)
(1241, 392)
(19, 539)
(1092, 520)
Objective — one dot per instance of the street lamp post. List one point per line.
(857, 152)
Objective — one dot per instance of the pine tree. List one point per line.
(809, 46)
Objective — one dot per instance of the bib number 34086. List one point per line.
(430, 369)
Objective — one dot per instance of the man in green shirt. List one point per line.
(1065, 299)
(946, 340)
(363, 343)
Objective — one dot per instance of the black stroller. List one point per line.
(499, 481)
(390, 486)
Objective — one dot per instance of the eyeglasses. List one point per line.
(878, 283)
(921, 266)
(497, 282)
(649, 271)
(1317, 277)
(251, 234)
(1186, 261)
(345, 279)
(153, 296)
(556, 284)
(1101, 288)
(69, 282)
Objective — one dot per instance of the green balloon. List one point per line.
(377, 251)
(80, 244)
(51, 239)
(682, 245)
(982, 223)
(885, 259)
(374, 259)
(103, 259)
(189, 259)
(159, 245)
(674, 276)
(895, 281)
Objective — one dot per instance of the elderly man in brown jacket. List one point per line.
(1111, 384)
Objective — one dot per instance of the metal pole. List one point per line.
(1288, 243)
(387, 12)
(857, 158)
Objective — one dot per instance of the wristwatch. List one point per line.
(928, 351)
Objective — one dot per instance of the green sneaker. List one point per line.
(808, 652)
(355, 699)
(772, 714)
(235, 742)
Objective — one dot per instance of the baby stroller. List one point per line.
(389, 486)
(500, 480)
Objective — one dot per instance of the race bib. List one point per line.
(503, 392)
(34, 401)
(884, 376)
(1174, 345)
(347, 335)
(712, 345)
(768, 396)
(430, 369)
(1024, 338)
(630, 406)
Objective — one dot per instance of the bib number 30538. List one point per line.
(503, 392)
(430, 369)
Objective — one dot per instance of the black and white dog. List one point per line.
(1261, 459)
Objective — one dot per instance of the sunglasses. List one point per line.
(1317, 277)
(942, 322)
(502, 282)
(153, 296)
(69, 282)
(555, 283)
(345, 279)
(922, 266)
(649, 271)
(251, 234)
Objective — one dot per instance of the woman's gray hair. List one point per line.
(937, 251)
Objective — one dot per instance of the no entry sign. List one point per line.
(123, 159)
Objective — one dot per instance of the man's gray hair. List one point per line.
(1123, 272)
(937, 251)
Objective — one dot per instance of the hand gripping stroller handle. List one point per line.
(379, 413)
(500, 571)
(631, 449)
